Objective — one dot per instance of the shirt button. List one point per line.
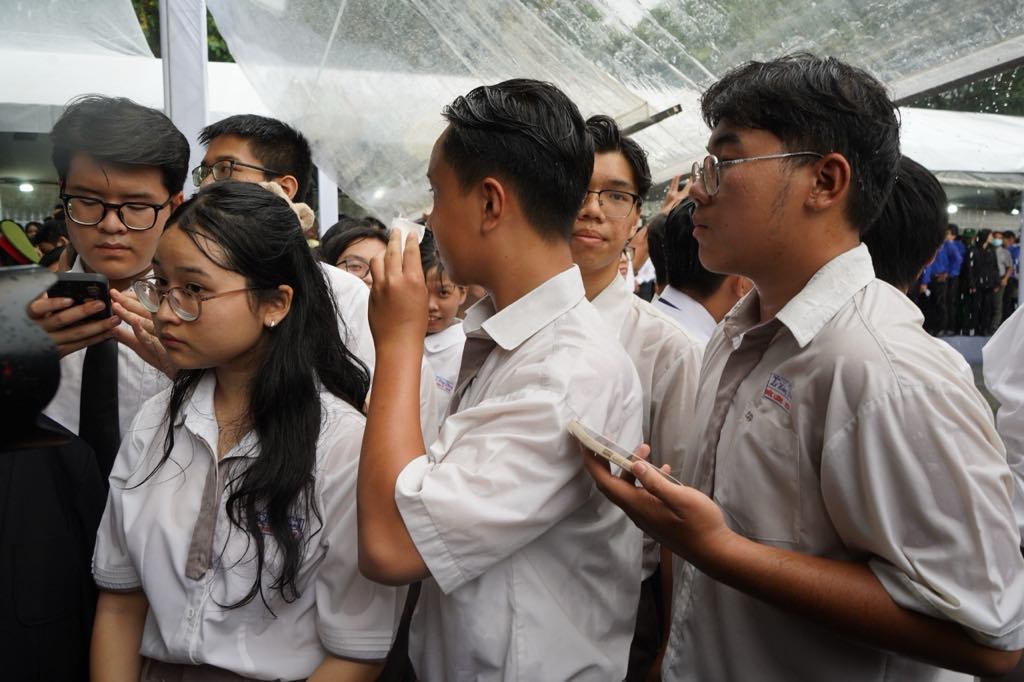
(749, 416)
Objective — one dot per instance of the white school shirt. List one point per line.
(687, 312)
(668, 361)
(1003, 367)
(443, 351)
(137, 382)
(151, 537)
(841, 429)
(352, 298)
(535, 575)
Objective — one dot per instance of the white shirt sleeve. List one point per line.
(917, 481)
(1004, 377)
(356, 618)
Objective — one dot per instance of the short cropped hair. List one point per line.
(911, 228)
(817, 105)
(529, 135)
(682, 260)
(118, 131)
(656, 248)
(608, 138)
(277, 145)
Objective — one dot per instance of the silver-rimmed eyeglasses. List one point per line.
(709, 171)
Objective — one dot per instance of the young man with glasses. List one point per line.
(850, 512)
(666, 358)
(121, 168)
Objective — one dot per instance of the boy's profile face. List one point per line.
(110, 248)
(600, 232)
(444, 298)
(450, 216)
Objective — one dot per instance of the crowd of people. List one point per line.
(353, 461)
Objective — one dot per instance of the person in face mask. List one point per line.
(1005, 262)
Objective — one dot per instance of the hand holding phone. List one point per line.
(609, 449)
(75, 312)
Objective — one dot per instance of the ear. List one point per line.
(831, 183)
(462, 294)
(494, 203)
(276, 309)
(176, 200)
(289, 184)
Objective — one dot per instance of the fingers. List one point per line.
(43, 306)
(54, 317)
(393, 255)
(642, 452)
(411, 258)
(615, 488)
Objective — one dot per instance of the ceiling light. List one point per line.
(952, 208)
(1015, 211)
(26, 187)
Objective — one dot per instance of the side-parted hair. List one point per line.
(530, 135)
(607, 137)
(118, 131)
(345, 232)
(911, 227)
(255, 233)
(818, 105)
(277, 145)
(682, 255)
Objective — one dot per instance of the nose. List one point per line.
(698, 192)
(111, 223)
(164, 314)
(591, 207)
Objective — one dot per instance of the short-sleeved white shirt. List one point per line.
(151, 537)
(443, 351)
(1004, 376)
(667, 359)
(687, 312)
(841, 429)
(535, 575)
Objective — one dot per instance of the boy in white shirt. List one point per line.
(527, 573)
(445, 337)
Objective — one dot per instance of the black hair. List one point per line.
(258, 236)
(911, 228)
(530, 135)
(277, 145)
(429, 257)
(607, 137)
(656, 248)
(682, 255)
(345, 232)
(118, 131)
(817, 105)
(51, 256)
(51, 230)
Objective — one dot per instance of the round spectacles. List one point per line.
(90, 211)
(184, 303)
(614, 203)
(222, 170)
(709, 171)
(354, 265)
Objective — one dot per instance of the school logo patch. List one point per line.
(295, 524)
(779, 390)
(445, 385)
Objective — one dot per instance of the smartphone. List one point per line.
(609, 449)
(82, 287)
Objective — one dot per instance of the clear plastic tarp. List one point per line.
(365, 80)
(93, 27)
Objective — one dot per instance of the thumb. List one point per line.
(654, 483)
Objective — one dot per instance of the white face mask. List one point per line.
(997, 242)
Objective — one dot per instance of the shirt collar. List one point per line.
(200, 420)
(807, 313)
(446, 338)
(614, 300)
(523, 318)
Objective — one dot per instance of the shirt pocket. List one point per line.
(757, 483)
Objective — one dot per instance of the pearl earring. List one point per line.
(273, 323)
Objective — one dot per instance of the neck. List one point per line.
(596, 281)
(518, 276)
(231, 396)
(787, 277)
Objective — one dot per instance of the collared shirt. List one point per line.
(668, 361)
(1004, 260)
(443, 350)
(841, 429)
(137, 382)
(171, 537)
(535, 575)
(1004, 377)
(688, 313)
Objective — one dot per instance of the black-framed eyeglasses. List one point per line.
(355, 265)
(187, 305)
(709, 171)
(615, 203)
(89, 211)
(223, 169)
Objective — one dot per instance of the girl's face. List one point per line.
(231, 325)
(443, 301)
(362, 251)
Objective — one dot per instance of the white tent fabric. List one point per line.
(365, 80)
(963, 141)
(94, 27)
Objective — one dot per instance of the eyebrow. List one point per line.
(618, 182)
(723, 138)
(125, 197)
(191, 270)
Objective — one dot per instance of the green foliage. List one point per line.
(1002, 93)
(148, 12)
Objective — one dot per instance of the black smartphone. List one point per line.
(82, 287)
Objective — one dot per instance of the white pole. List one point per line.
(183, 49)
(328, 204)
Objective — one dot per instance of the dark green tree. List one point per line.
(148, 12)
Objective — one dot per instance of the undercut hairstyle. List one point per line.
(530, 136)
(817, 105)
(246, 229)
(429, 257)
(345, 232)
(911, 227)
(275, 144)
(607, 137)
(684, 270)
(116, 130)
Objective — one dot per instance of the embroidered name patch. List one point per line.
(779, 390)
(445, 385)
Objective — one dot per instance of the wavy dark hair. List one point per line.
(258, 236)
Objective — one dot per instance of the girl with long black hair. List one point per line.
(229, 538)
